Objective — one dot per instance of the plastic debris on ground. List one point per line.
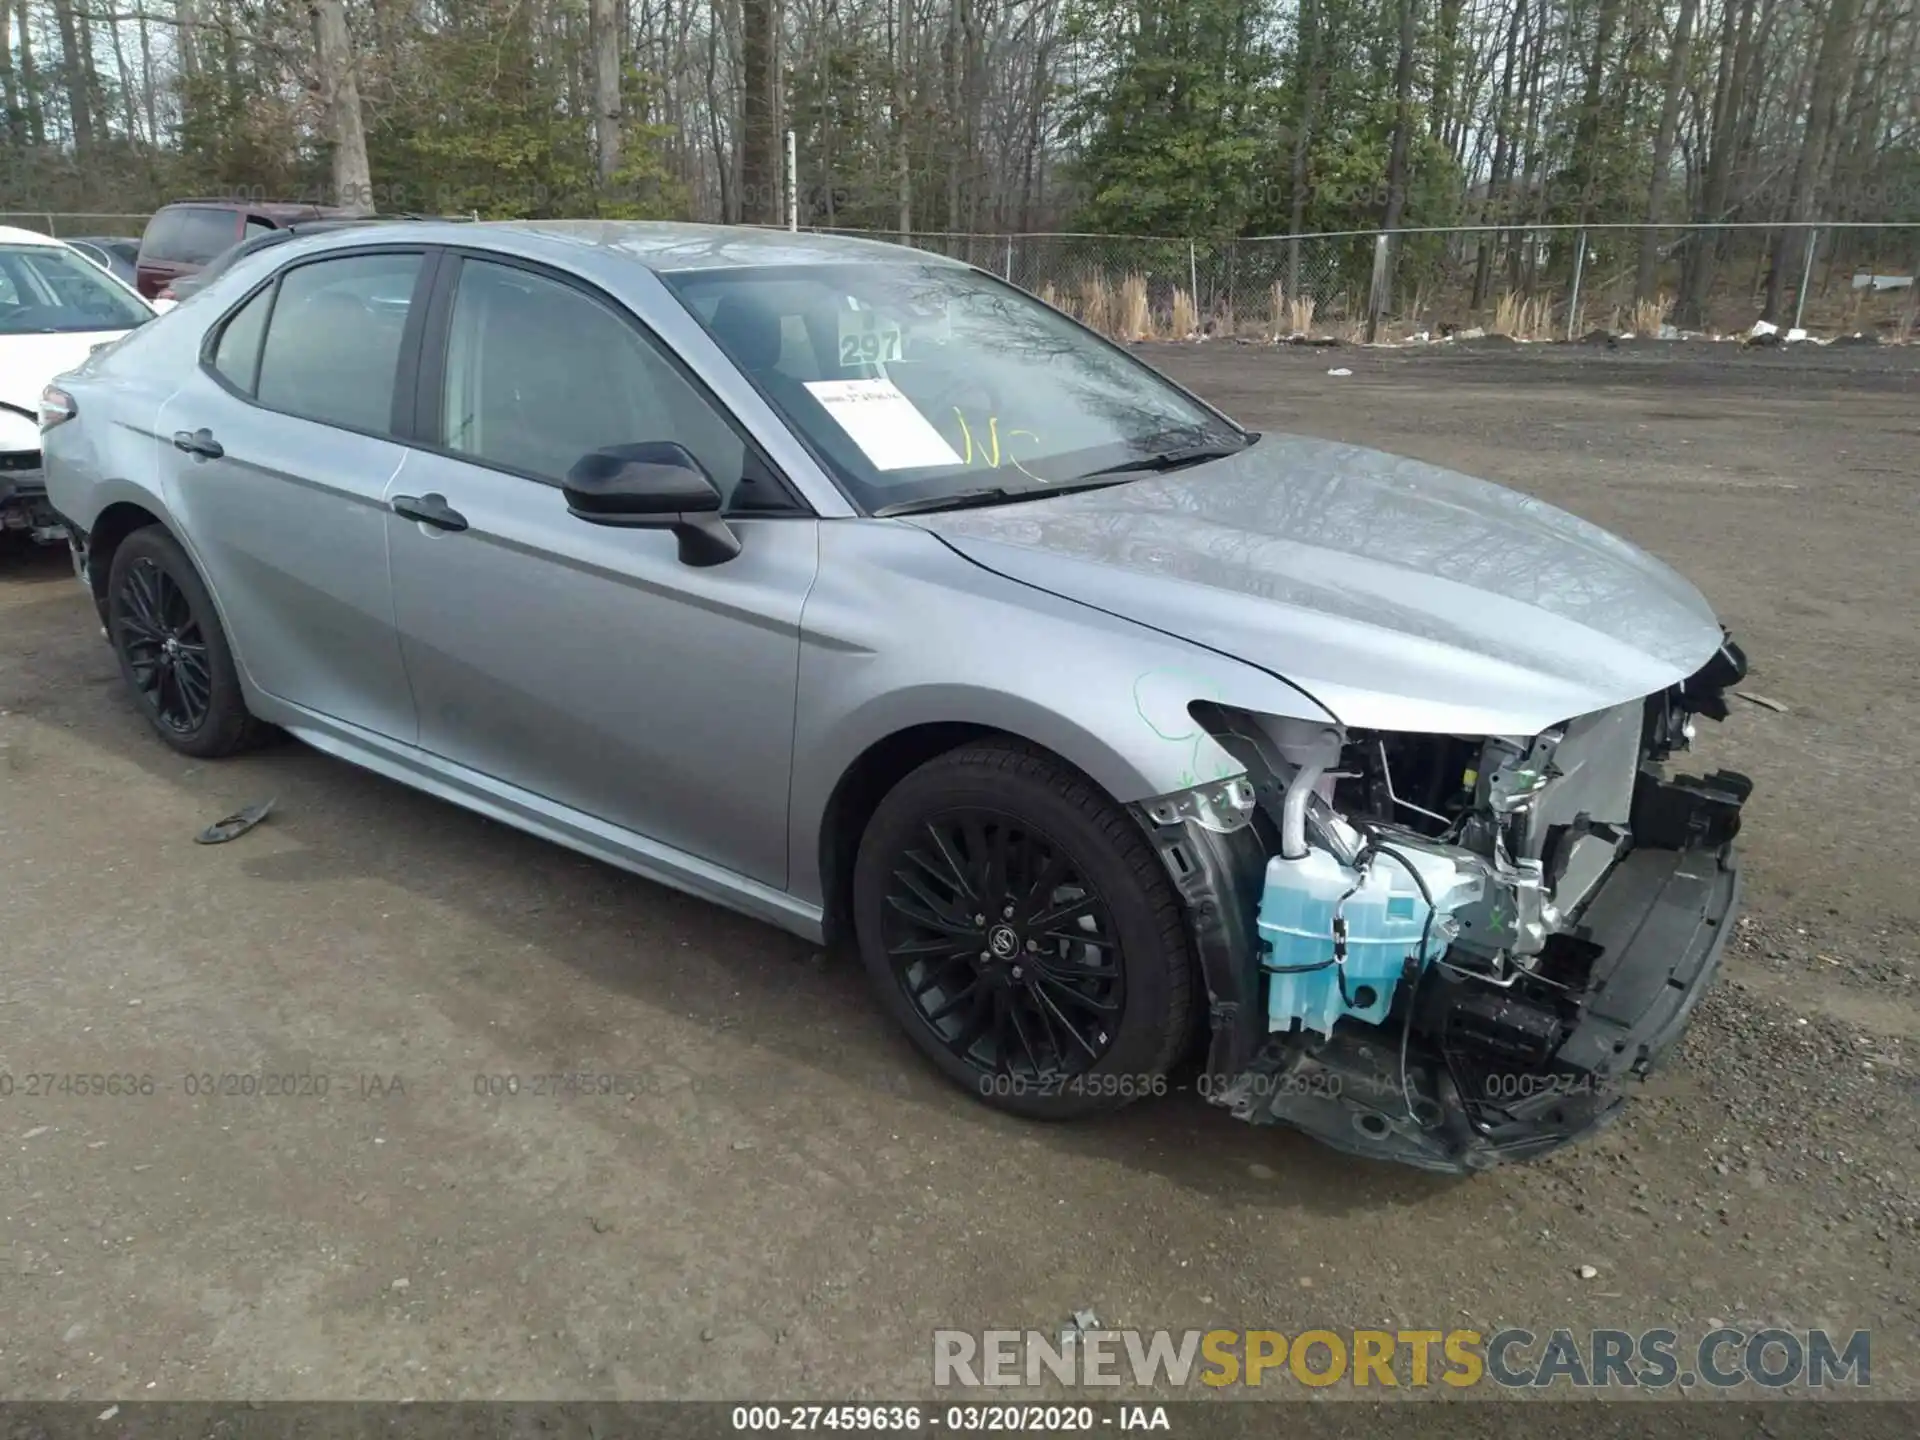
(235, 825)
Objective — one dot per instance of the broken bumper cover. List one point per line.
(23, 504)
(1659, 923)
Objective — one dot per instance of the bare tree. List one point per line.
(340, 97)
(607, 116)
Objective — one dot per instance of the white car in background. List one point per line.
(56, 308)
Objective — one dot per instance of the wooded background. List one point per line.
(1188, 118)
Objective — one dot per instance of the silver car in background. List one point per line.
(854, 589)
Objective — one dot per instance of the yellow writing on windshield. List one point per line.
(989, 454)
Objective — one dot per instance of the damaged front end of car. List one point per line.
(1454, 951)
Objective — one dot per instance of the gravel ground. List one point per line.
(790, 1202)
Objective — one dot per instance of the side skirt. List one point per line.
(524, 810)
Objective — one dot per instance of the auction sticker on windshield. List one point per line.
(883, 422)
(865, 338)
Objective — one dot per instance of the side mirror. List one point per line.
(657, 485)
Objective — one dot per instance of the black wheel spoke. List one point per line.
(1020, 1032)
(1049, 1006)
(938, 975)
(1061, 914)
(956, 875)
(1074, 996)
(954, 1001)
(917, 912)
(957, 945)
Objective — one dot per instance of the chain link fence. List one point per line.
(1533, 282)
(64, 225)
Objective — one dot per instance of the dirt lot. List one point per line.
(793, 1202)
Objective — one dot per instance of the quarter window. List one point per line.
(237, 355)
(540, 374)
(333, 346)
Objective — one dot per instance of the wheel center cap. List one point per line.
(172, 646)
(1003, 942)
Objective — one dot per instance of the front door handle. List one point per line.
(198, 443)
(429, 510)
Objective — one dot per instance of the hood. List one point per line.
(1399, 595)
(28, 362)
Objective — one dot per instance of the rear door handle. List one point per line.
(429, 510)
(198, 443)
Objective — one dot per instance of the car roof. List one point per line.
(272, 209)
(668, 246)
(14, 235)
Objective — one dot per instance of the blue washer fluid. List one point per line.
(1385, 916)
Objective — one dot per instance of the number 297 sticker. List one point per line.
(865, 338)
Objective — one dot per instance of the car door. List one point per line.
(588, 664)
(279, 449)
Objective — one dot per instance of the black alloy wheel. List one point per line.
(173, 654)
(164, 646)
(1002, 946)
(1024, 933)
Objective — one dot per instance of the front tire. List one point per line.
(173, 654)
(1020, 928)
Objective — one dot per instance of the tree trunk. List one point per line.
(722, 162)
(36, 117)
(1446, 65)
(1663, 148)
(1503, 146)
(1836, 41)
(1723, 146)
(902, 171)
(1302, 139)
(340, 95)
(12, 119)
(1402, 115)
(1587, 135)
(73, 76)
(147, 86)
(605, 39)
(759, 172)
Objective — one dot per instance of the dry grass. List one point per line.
(1096, 305)
(1186, 321)
(1050, 296)
(1300, 315)
(1649, 315)
(1135, 321)
(1277, 310)
(1523, 319)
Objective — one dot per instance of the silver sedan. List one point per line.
(855, 589)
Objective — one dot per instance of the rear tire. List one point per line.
(1017, 924)
(172, 652)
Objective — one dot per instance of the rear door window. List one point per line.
(332, 349)
(190, 234)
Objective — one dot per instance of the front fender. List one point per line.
(902, 632)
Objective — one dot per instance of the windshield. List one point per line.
(44, 291)
(918, 382)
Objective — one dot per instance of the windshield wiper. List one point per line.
(995, 495)
(1167, 460)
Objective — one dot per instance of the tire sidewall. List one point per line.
(1138, 1044)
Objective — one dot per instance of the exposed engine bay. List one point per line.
(1462, 948)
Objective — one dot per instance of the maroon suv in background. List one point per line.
(183, 236)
